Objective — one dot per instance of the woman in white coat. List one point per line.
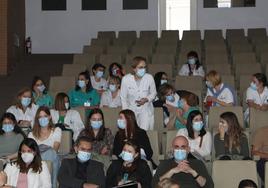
(69, 118)
(28, 170)
(138, 92)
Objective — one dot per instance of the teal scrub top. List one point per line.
(78, 98)
(178, 124)
(44, 100)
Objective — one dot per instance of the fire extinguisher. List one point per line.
(28, 45)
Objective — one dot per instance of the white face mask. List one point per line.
(27, 157)
(67, 105)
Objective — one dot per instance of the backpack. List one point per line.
(216, 94)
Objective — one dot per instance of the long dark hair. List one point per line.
(35, 79)
(131, 126)
(111, 68)
(36, 164)
(59, 102)
(235, 131)
(88, 131)
(189, 124)
(157, 79)
(87, 77)
(261, 78)
(11, 117)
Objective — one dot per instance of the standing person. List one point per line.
(29, 170)
(193, 66)
(24, 110)
(97, 80)
(67, 118)
(257, 94)
(40, 93)
(138, 92)
(84, 95)
(129, 168)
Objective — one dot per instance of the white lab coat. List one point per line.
(108, 100)
(184, 71)
(35, 180)
(132, 91)
(72, 118)
(29, 114)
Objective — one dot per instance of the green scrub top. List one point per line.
(78, 98)
(178, 124)
(44, 100)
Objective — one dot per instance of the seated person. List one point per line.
(218, 93)
(111, 97)
(81, 171)
(260, 149)
(40, 93)
(65, 117)
(168, 183)
(115, 69)
(28, 171)
(102, 138)
(11, 137)
(84, 95)
(48, 139)
(257, 94)
(193, 66)
(128, 129)
(187, 103)
(97, 80)
(160, 78)
(200, 140)
(183, 168)
(230, 142)
(24, 110)
(129, 168)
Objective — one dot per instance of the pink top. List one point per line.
(22, 181)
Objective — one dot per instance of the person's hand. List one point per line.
(25, 123)
(142, 101)
(184, 165)
(179, 112)
(104, 151)
(211, 98)
(170, 107)
(3, 178)
(222, 131)
(89, 185)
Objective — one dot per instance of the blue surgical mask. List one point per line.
(180, 104)
(180, 154)
(198, 125)
(141, 72)
(81, 83)
(99, 74)
(41, 88)
(127, 157)
(43, 121)
(112, 87)
(209, 84)
(121, 123)
(96, 124)
(163, 82)
(83, 156)
(191, 61)
(26, 101)
(170, 98)
(7, 128)
(253, 86)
